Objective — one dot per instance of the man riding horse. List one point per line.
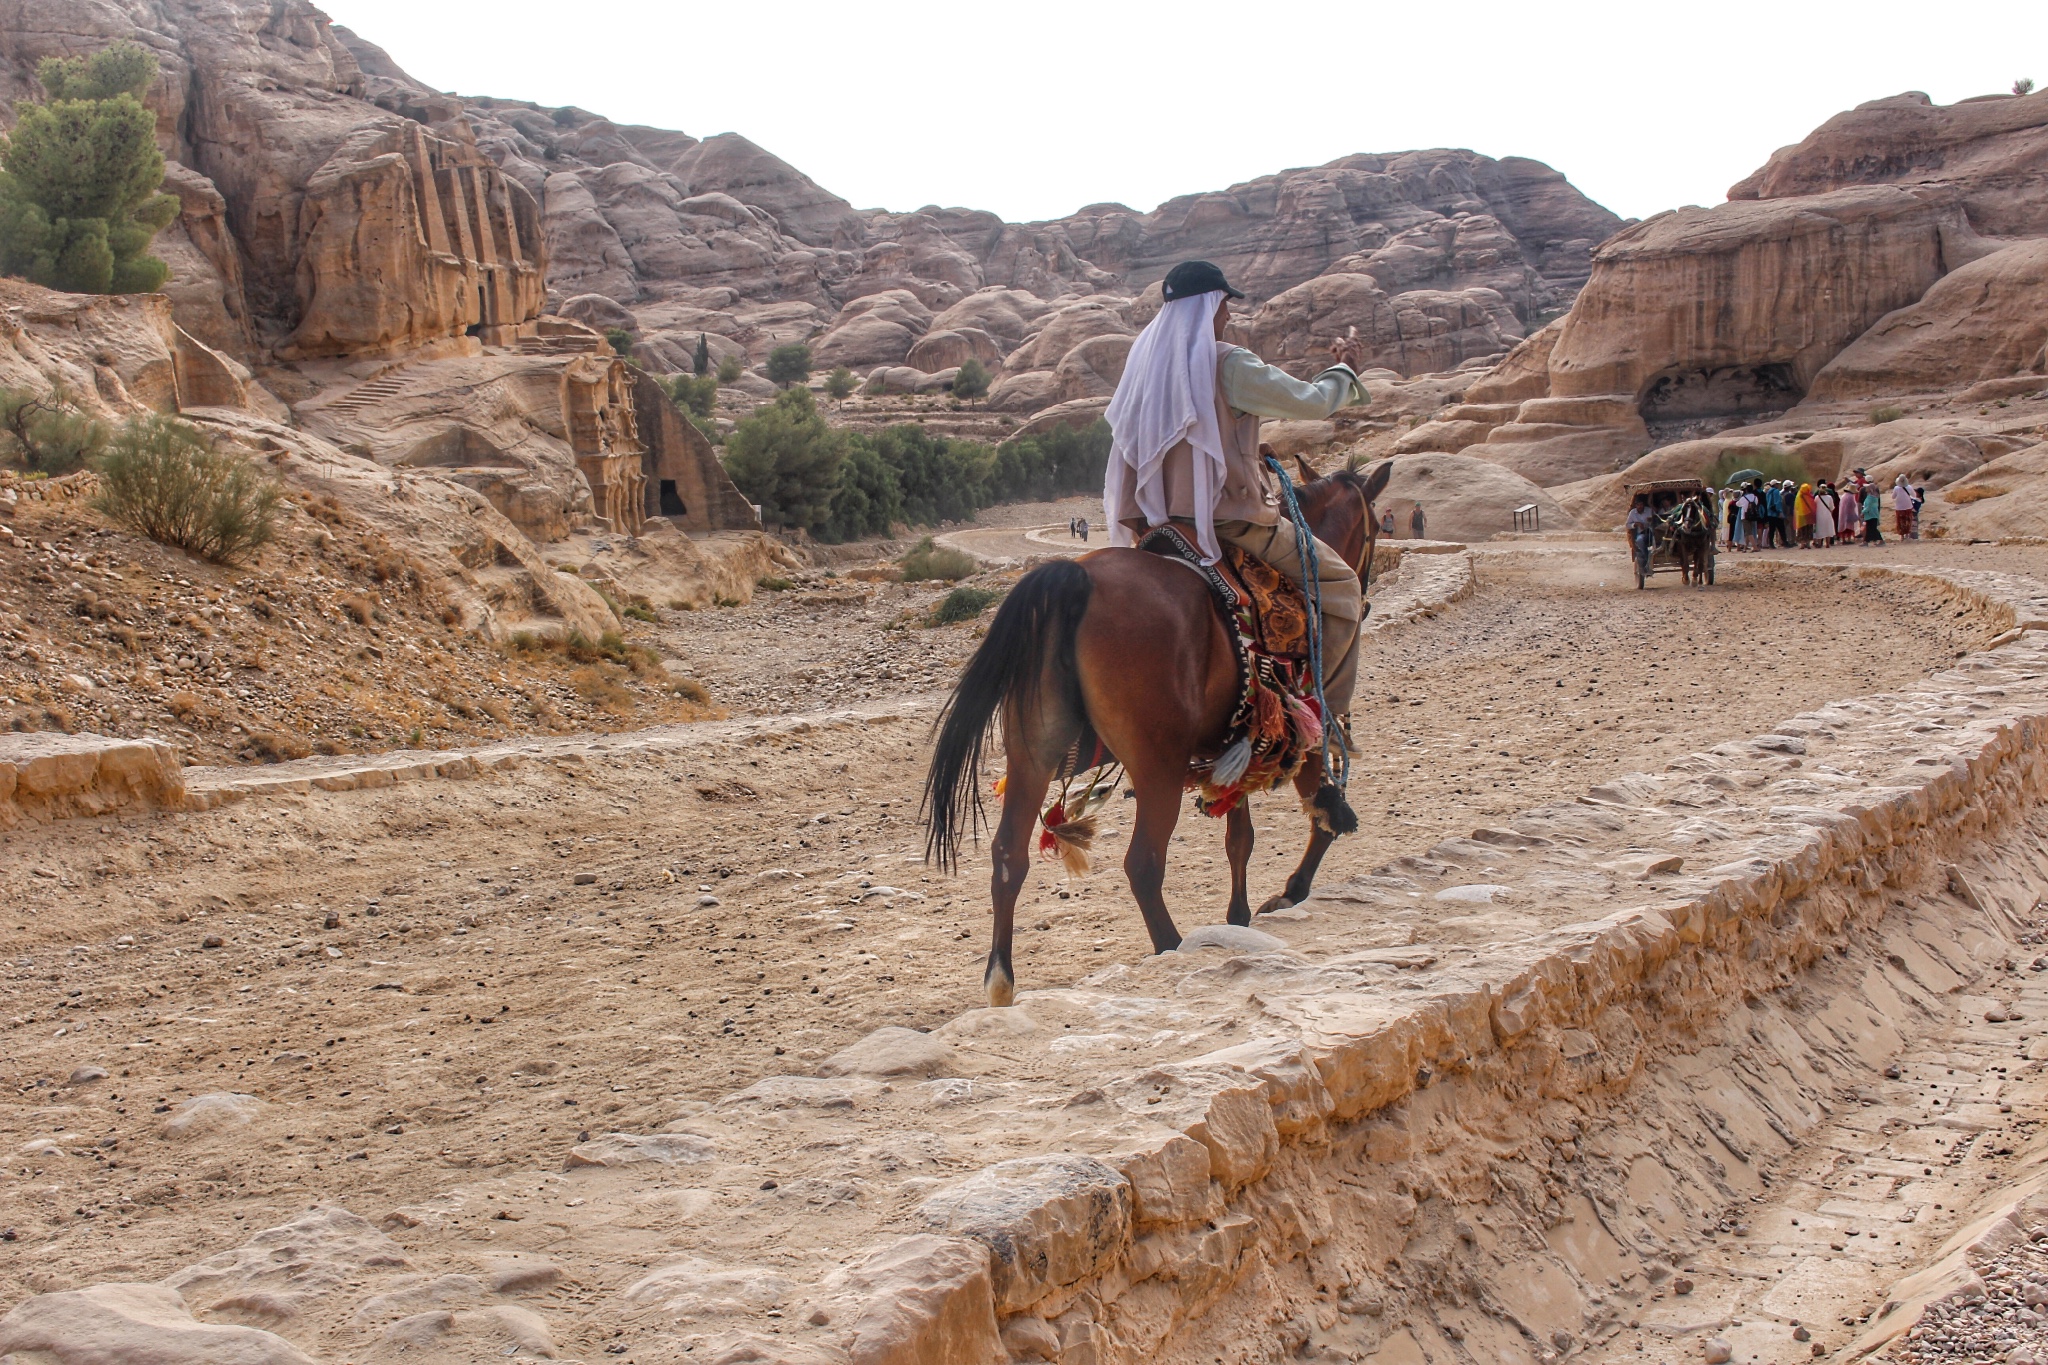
(1185, 421)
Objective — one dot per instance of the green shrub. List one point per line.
(874, 384)
(163, 479)
(634, 611)
(868, 499)
(1051, 464)
(774, 584)
(789, 364)
(961, 604)
(700, 363)
(787, 459)
(1771, 462)
(2023, 86)
(694, 393)
(972, 381)
(79, 177)
(839, 383)
(621, 340)
(928, 561)
(1879, 416)
(730, 369)
(45, 434)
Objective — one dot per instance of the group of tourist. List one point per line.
(1077, 528)
(1766, 514)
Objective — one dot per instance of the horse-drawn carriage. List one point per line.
(1684, 519)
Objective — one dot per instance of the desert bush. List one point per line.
(1879, 416)
(730, 369)
(601, 689)
(928, 561)
(635, 611)
(79, 177)
(774, 584)
(689, 689)
(1771, 462)
(694, 393)
(972, 381)
(161, 478)
(1051, 464)
(840, 382)
(787, 459)
(789, 364)
(1976, 492)
(962, 604)
(619, 339)
(875, 384)
(45, 433)
(2023, 86)
(700, 360)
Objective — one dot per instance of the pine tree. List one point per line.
(700, 363)
(79, 177)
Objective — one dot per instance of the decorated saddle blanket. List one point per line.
(1267, 606)
(1276, 721)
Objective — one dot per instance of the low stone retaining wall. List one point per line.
(51, 776)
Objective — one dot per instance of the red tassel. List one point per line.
(1048, 843)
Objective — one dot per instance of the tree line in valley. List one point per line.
(841, 485)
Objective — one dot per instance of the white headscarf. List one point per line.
(1168, 395)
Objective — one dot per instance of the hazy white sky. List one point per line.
(1034, 109)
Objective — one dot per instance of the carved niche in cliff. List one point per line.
(604, 434)
(407, 237)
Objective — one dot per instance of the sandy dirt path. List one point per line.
(443, 984)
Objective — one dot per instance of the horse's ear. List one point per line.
(1376, 482)
(1308, 471)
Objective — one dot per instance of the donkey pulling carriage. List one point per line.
(1682, 537)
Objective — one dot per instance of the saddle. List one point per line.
(1276, 721)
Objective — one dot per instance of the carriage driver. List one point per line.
(1185, 422)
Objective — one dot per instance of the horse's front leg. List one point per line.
(1307, 783)
(1237, 842)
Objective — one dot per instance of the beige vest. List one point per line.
(1250, 492)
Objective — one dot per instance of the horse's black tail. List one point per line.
(1034, 626)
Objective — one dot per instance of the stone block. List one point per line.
(1047, 1221)
(1170, 1181)
(927, 1301)
(891, 1051)
(134, 1324)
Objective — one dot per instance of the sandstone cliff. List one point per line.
(1898, 250)
(1439, 257)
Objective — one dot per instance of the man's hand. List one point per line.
(1348, 349)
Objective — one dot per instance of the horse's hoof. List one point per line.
(1276, 903)
(1001, 987)
(1240, 915)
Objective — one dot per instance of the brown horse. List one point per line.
(1126, 648)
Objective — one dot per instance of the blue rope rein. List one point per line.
(1339, 774)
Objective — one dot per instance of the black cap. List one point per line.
(1192, 278)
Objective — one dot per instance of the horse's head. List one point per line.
(1339, 508)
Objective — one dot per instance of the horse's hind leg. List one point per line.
(1237, 842)
(1158, 794)
(1025, 779)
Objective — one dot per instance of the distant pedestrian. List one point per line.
(1387, 523)
(1802, 516)
(1824, 515)
(1903, 507)
(1848, 511)
(1084, 529)
(1873, 509)
(1919, 501)
(1415, 522)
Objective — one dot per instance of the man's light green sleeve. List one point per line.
(1251, 385)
